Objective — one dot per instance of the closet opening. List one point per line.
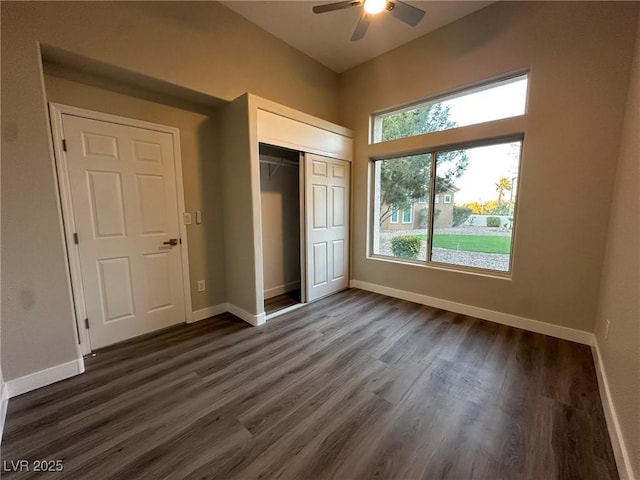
(281, 177)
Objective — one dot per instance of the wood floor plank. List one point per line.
(353, 386)
(279, 302)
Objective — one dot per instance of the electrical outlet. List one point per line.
(201, 286)
(606, 329)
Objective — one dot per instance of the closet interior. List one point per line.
(280, 194)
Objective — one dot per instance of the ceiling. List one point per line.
(326, 37)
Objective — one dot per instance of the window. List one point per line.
(474, 225)
(470, 188)
(398, 182)
(493, 101)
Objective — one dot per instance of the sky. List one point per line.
(487, 165)
(507, 100)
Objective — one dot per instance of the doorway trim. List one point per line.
(56, 110)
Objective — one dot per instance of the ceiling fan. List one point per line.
(402, 11)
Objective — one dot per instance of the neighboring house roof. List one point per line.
(452, 189)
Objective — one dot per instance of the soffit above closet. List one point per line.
(326, 37)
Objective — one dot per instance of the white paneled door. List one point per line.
(124, 199)
(327, 229)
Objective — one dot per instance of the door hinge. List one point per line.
(86, 323)
(75, 238)
(64, 145)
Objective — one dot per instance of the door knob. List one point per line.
(172, 241)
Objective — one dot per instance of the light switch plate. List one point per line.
(198, 216)
(187, 218)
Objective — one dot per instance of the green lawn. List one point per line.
(472, 243)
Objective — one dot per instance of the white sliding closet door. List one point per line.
(327, 225)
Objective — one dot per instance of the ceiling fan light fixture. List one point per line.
(396, 8)
(374, 6)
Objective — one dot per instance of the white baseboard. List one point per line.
(279, 290)
(282, 311)
(579, 336)
(625, 470)
(4, 402)
(254, 320)
(208, 312)
(30, 382)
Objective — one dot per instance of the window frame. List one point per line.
(428, 262)
(446, 95)
(505, 130)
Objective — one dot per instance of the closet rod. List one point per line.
(279, 161)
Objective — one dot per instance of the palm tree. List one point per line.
(503, 185)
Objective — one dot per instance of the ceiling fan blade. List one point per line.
(330, 7)
(361, 27)
(405, 12)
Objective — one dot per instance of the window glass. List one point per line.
(475, 229)
(496, 100)
(401, 182)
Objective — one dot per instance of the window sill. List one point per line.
(443, 267)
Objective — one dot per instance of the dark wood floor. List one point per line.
(280, 302)
(355, 386)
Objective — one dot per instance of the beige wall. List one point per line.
(241, 239)
(620, 291)
(199, 149)
(200, 46)
(579, 57)
(280, 204)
